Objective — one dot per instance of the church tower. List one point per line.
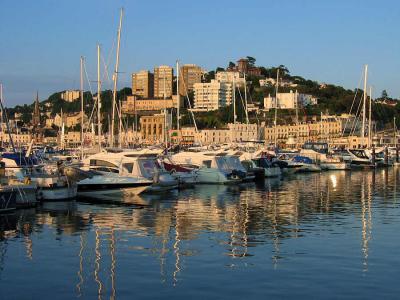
(36, 112)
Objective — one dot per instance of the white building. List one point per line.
(70, 96)
(213, 136)
(211, 95)
(272, 82)
(228, 77)
(289, 101)
(243, 132)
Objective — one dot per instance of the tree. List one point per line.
(231, 65)
(283, 71)
(384, 94)
(209, 76)
(251, 60)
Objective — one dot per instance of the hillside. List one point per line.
(332, 99)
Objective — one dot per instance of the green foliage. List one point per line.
(252, 60)
(209, 76)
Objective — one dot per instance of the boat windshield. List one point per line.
(148, 167)
(318, 147)
(235, 163)
(359, 153)
(127, 168)
(223, 164)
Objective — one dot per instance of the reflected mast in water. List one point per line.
(366, 219)
(80, 255)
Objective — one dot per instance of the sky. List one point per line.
(329, 41)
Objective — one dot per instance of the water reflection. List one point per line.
(174, 229)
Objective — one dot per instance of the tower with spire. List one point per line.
(36, 113)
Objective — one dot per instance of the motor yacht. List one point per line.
(186, 177)
(359, 159)
(140, 166)
(19, 179)
(52, 184)
(308, 165)
(212, 167)
(319, 153)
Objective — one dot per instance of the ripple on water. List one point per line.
(330, 235)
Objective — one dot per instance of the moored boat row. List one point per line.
(121, 174)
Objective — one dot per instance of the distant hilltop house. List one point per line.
(390, 102)
(69, 120)
(134, 104)
(289, 100)
(230, 77)
(70, 95)
(272, 82)
(245, 67)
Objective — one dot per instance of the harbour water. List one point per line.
(330, 235)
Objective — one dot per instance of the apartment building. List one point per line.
(243, 132)
(133, 104)
(163, 80)
(229, 77)
(189, 75)
(289, 100)
(152, 128)
(212, 95)
(143, 84)
(300, 133)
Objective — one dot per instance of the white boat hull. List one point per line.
(309, 168)
(111, 187)
(58, 193)
(214, 176)
(113, 195)
(334, 166)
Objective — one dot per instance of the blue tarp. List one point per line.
(302, 159)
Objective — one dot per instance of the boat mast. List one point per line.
(394, 132)
(276, 108)
(245, 99)
(234, 99)
(115, 79)
(3, 111)
(364, 105)
(178, 98)
(320, 129)
(98, 98)
(296, 102)
(120, 125)
(165, 110)
(82, 113)
(369, 118)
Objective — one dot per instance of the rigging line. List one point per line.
(87, 77)
(356, 119)
(91, 92)
(188, 100)
(352, 104)
(251, 101)
(105, 74)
